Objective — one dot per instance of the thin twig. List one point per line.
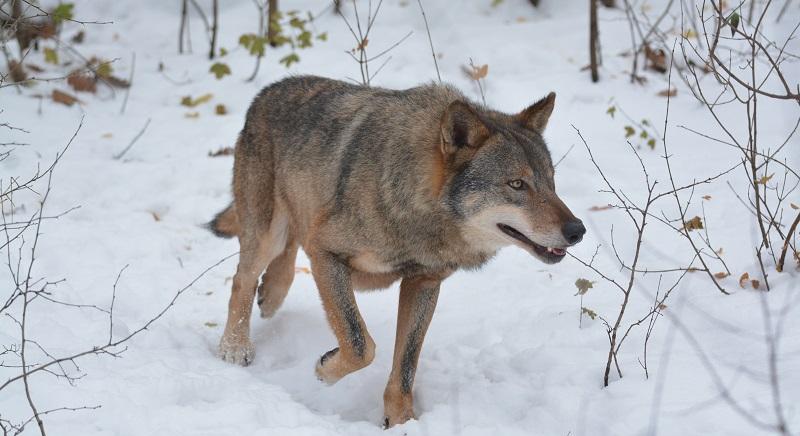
(130, 84)
(789, 236)
(430, 41)
(133, 141)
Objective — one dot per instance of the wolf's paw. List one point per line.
(323, 371)
(400, 418)
(238, 352)
(267, 308)
(398, 406)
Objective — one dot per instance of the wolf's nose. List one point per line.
(573, 231)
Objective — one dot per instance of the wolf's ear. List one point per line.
(536, 115)
(461, 128)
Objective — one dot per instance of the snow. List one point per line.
(504, 355)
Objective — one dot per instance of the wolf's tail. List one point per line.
(225, 224)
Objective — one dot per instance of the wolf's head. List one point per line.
(501, 186)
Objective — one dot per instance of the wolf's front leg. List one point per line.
(418, 298)
(356, 348)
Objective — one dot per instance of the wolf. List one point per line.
(379, 185)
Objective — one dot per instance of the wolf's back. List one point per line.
(322, 142)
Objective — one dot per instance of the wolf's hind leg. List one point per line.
(257, 250)
(276, 281)
(356, 348)
(418, 298)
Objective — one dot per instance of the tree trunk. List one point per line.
(272, 29)
(214, 20)
(593, 40)
(184, 12)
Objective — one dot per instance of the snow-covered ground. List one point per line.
(505, 354)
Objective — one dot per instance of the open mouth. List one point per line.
(551, 254)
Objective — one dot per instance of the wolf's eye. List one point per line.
(516, 184)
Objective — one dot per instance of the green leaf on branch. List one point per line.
(629, 131)
(104, 69)
(589, 312)
(297, 23)
(220, 70)
(583, 286)
(304, 39)
(290, 59)
(50, 56)
(764, 179)
(254, 43)
(62, 12)
(188, 101)
(733, 21)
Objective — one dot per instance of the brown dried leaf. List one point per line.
(743, 280)
(16, 71)
(657, 59)
(755, 283)
(116, 82)
(82, 82)
(156, 216)
(33, 67)
(721, 275)
(479, 72)
(599, 208)
(662, 307)
(693, 224)
(78, 37)
(302, 269)
(64, 98)
(794, 206)
(220, 109)
(224, 151)
(668, 92)
(706, 197)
